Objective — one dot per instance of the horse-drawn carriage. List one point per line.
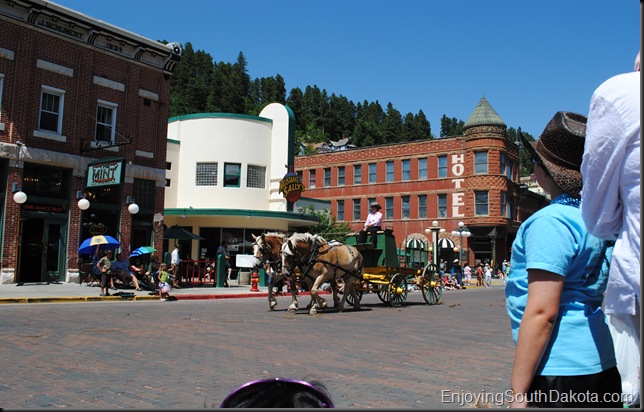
(383, 274)
(359, 267)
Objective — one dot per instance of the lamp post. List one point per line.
(461, 231)
(434, 230)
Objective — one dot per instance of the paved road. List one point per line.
(190, 354)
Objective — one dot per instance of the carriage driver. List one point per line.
(372, 225)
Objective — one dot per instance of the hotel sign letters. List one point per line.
(105, 173)
(458, 168)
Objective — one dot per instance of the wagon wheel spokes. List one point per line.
(383, 293)
(398, 290)
(432, 285)
(359, 292)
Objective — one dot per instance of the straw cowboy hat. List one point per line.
(560, 149)
(376, 205)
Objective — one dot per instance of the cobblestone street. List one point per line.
(190, 354)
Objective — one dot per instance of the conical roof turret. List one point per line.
(484, 114)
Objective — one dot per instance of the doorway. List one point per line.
(42, 250)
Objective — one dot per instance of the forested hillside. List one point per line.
(201, 85)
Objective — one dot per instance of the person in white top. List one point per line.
(610, 197)
(372, 225)
(174, 267)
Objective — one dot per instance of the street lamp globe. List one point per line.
(20, 197)
(454, 233)
(83, 204)
(133, 208)
(461, 224)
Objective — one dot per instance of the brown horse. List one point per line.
(267, 250)
(325, 262)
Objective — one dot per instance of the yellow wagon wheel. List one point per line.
(431, 284)
(398, 290)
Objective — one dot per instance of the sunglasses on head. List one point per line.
(278, 393)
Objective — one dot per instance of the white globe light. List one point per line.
(435, 223)
(461, 224)
(454, 233)
(20, 197)
(133, 208)
(83, 204)
(428, 231)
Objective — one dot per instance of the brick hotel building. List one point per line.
(473, 178)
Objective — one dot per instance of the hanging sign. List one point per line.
(105, 173)
(291, 185)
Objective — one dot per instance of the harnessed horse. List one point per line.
(323, 261)
(267, 250)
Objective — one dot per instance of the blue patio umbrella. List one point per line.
(89, 245)
(143, 250)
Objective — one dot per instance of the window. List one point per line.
(422, 206)
(168, 165)
(504, 204)
(312, 178)
(340, 175)
(405, 206)
(506, 166)
(372, 173)
(480, 163)
(51, 109)
(442, 166)
(327, 177)
(143, 191)
(232, 174)
(206, 174)
(1, 86)
(422, 168)
(480, 203)
(105, 122)
(256, 176)
(168, 182)
(406, 172)
(389, 175)
(389, 207)
(357, 204)
(357, 174)
(340, 213)
(442, 205)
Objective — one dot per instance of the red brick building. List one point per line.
(83, 114)
(471, 178)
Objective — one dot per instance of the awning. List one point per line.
(414, 243)
(445, 243)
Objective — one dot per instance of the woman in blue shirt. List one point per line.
(564, 353)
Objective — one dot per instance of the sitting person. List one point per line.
(137, 270)
(449, 284)
(372, 225)
(121, 270)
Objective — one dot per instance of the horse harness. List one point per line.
(313, 259)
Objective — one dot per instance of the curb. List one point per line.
(143, 297)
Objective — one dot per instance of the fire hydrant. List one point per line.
(254, 281)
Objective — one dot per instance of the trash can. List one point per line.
(243, 277)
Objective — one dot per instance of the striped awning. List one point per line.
(414, 243)
(445, 243)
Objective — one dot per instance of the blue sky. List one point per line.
(528, 58)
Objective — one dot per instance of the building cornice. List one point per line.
(73, 26)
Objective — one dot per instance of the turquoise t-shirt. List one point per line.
(555, 239)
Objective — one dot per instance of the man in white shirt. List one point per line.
(174, 266)
(372, 225)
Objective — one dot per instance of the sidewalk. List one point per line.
(73, 292)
